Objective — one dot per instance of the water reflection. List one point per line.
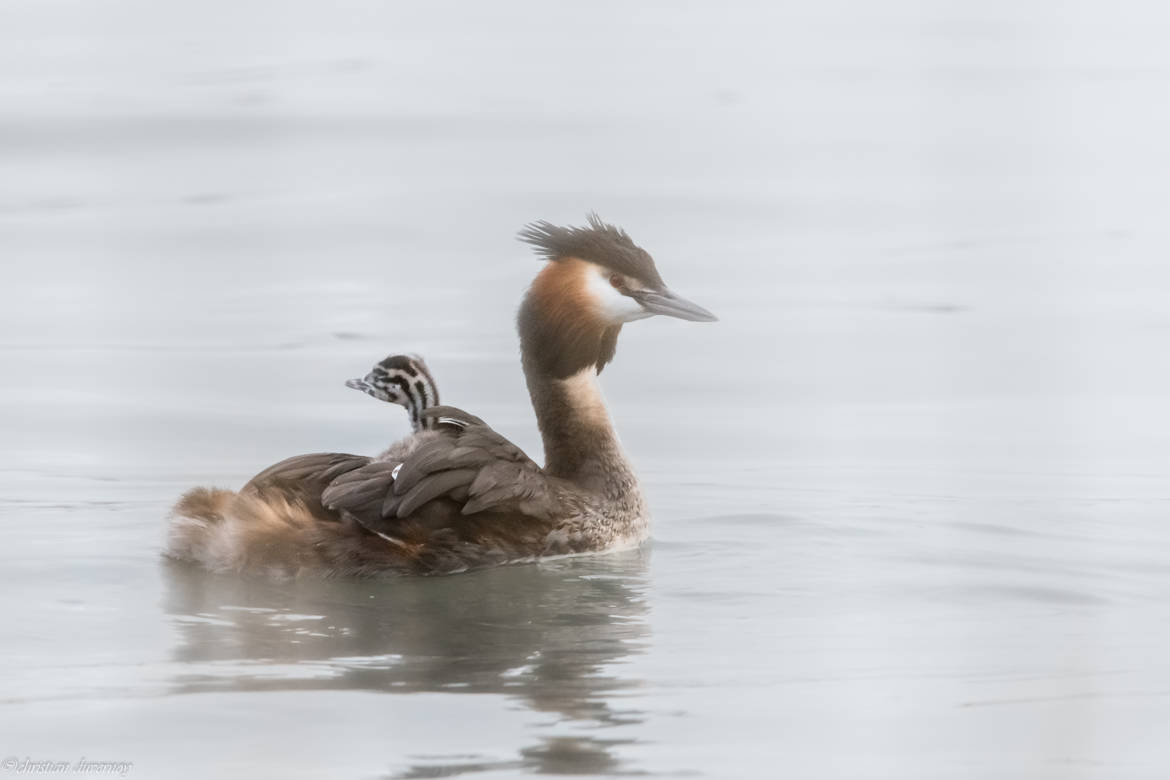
(547, 635)
(554, 756)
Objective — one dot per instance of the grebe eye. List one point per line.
(617, 281)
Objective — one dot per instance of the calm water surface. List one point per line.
(911, 494)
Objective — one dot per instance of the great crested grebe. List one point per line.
(462, 496)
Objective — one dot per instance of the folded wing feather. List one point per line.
(470, 469)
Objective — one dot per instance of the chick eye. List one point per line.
(617, 281)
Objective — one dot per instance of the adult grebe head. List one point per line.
(598, 280)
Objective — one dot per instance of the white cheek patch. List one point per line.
(612, 305)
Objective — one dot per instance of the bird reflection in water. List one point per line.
(544, 634)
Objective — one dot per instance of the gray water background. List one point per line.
(911, 494)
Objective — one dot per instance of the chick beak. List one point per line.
(358, 384)
(665, 301)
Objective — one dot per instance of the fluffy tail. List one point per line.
(271, 535)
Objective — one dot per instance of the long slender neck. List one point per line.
(561, 356)
(580, 443)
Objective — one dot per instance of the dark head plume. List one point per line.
(599, 242)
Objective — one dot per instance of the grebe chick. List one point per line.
(465, 497)
(402, 380)
(406, 381)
